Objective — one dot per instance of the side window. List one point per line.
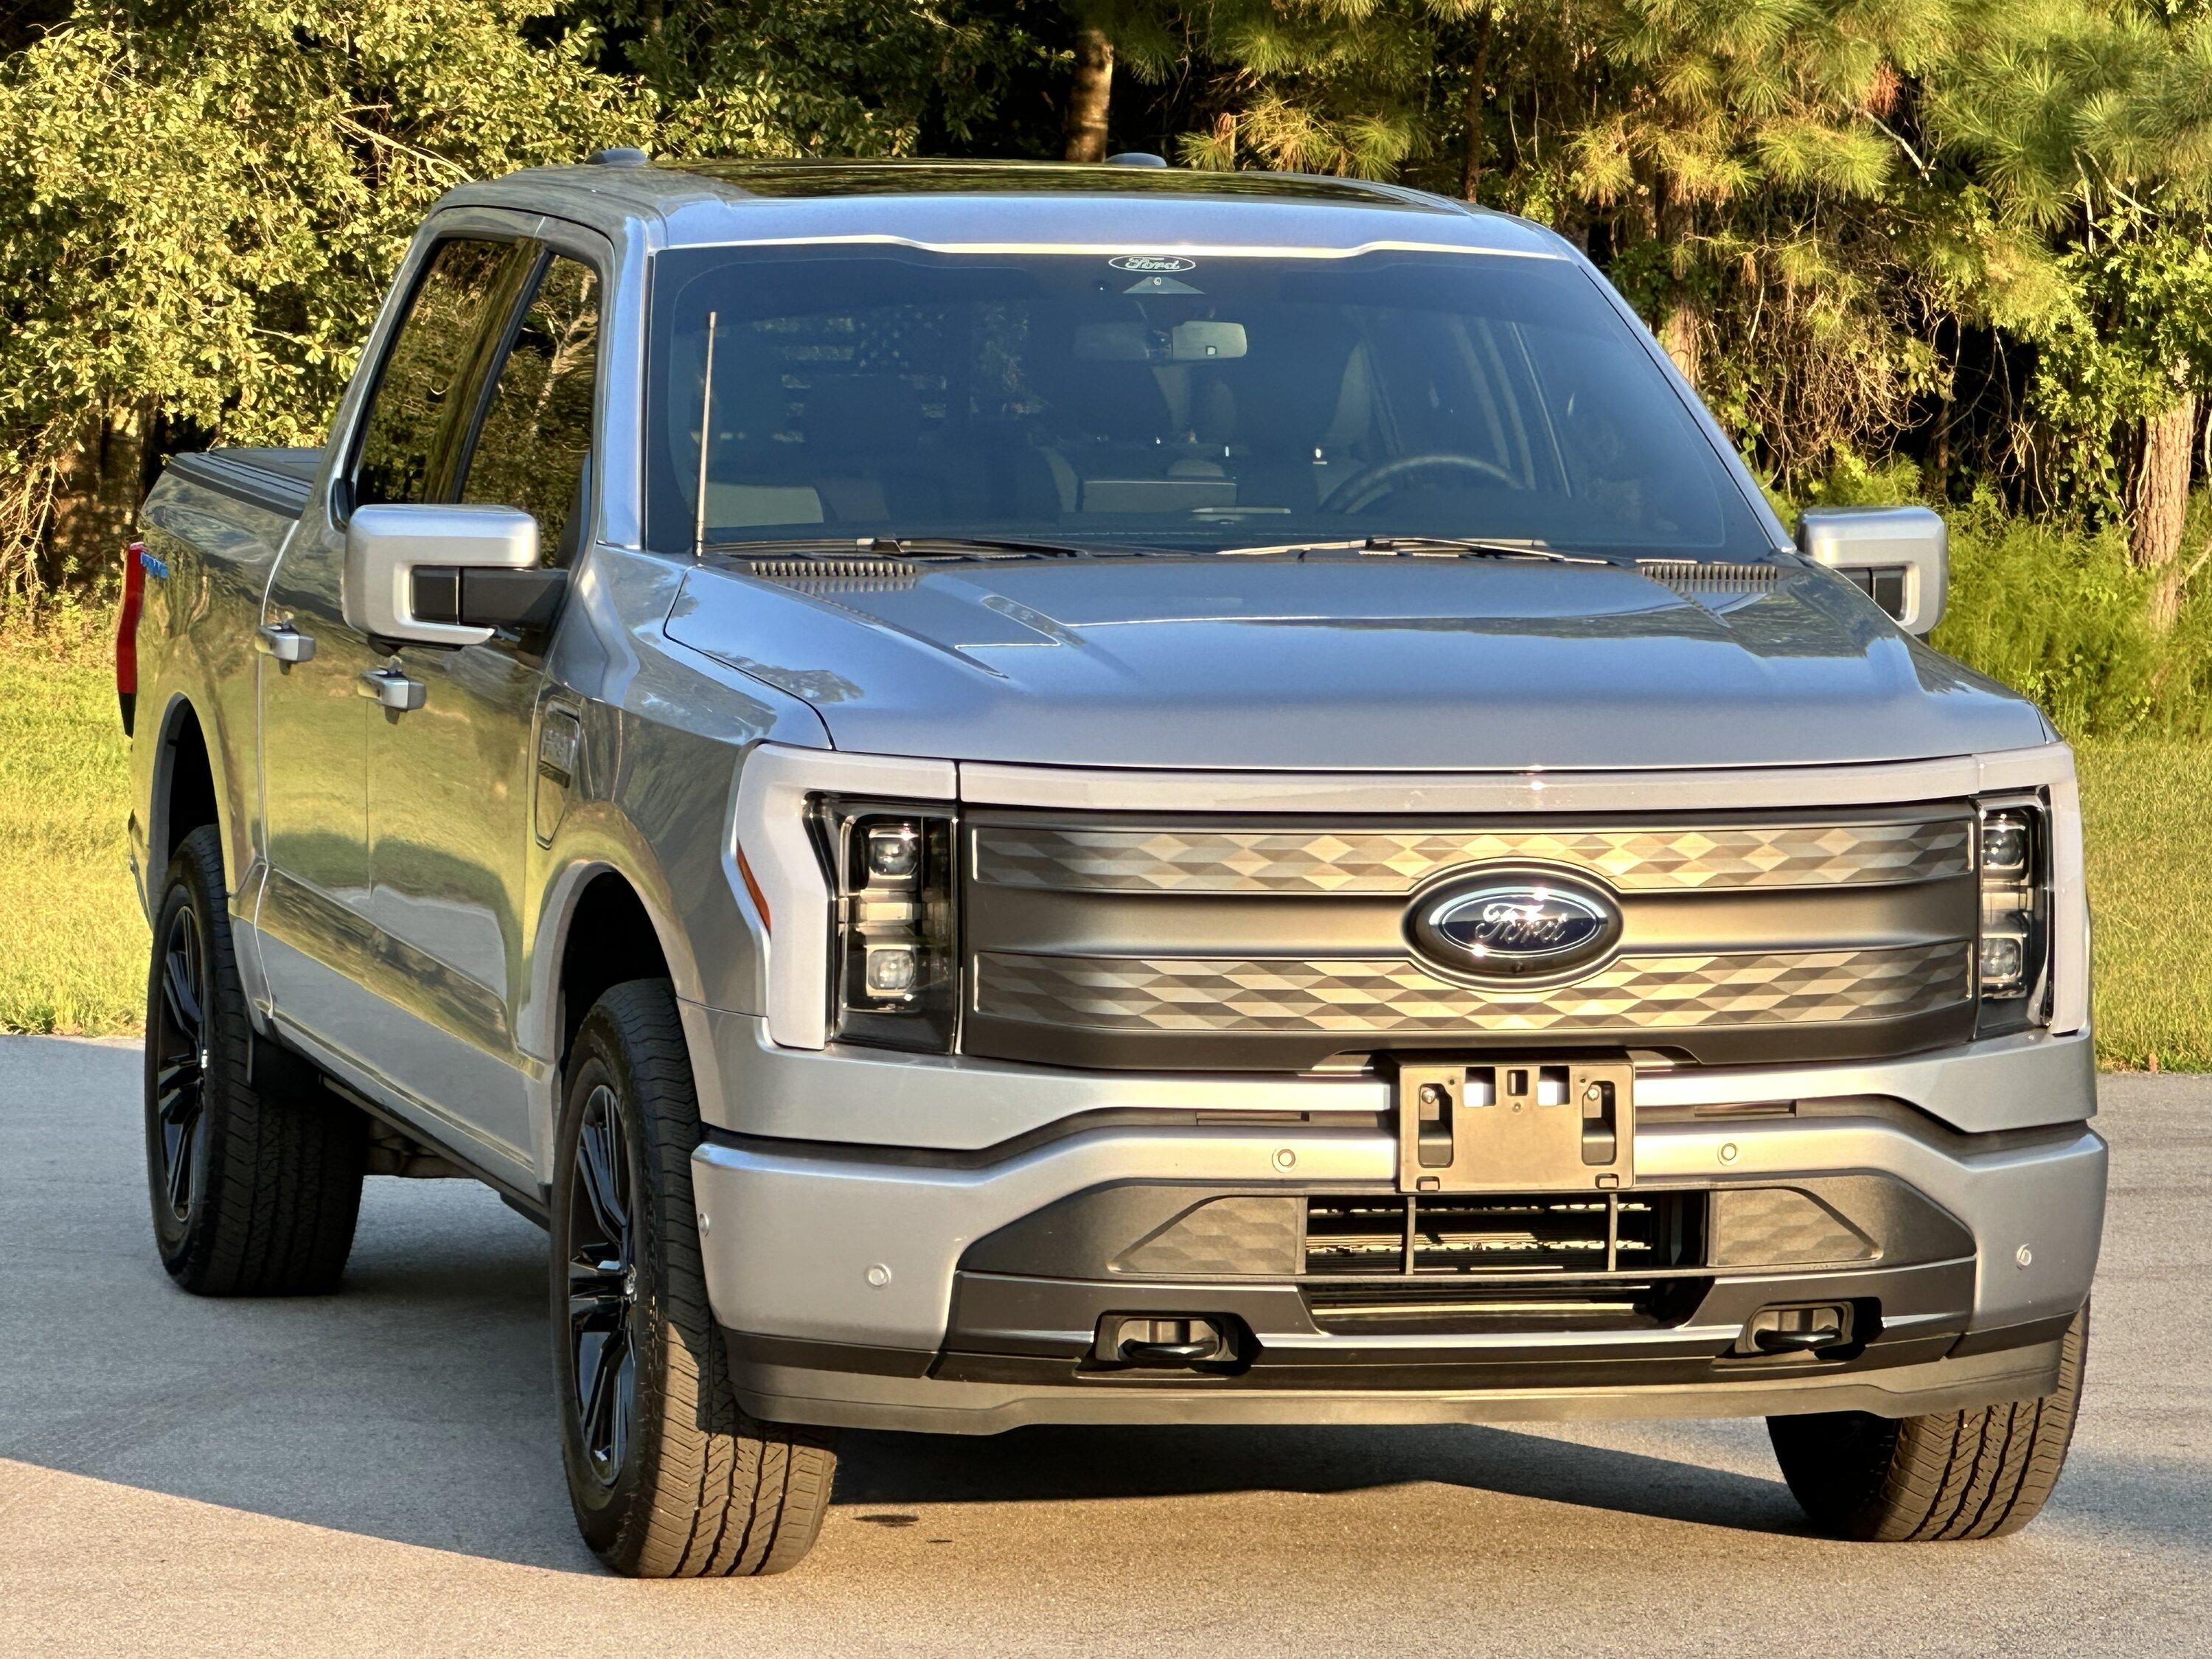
(533, 443)
(417, 395)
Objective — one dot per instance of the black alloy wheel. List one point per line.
(669, 1475)
(252, 1168)
(604, 1337)
(178, 1041)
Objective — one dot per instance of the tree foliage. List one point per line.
(1974, 234)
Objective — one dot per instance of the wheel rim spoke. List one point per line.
(180, 985)
(624, 1389)
(179, 1171)
(604, 1397)
(178, 1035)
(598, 1159)
(597, 1300)
(602, 1286)
(177, 1088)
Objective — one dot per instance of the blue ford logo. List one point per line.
(1514, 922)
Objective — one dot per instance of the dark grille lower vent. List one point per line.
(1504, 1235)
(1504, 1262)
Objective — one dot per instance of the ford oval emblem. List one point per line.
(1151, 265)
(1514, 922)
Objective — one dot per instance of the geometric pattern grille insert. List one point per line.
(1385, 995)
(1197, 860)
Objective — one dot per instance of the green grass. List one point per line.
(73, 946)
(2147, 803)
(72, 942)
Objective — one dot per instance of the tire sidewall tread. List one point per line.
(708, 1491)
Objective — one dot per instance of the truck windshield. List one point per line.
(1203, 403)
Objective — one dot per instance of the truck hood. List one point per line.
(1349, 664)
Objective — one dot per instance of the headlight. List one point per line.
(894, 961)
(2012, 959)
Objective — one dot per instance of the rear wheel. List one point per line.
(255, 1169)
(669, 1477)
(1954, 1474)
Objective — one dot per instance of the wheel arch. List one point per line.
(187, 792)
(604, 926)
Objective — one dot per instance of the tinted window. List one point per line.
(1219, 402)
(534, 442)
(418, 391)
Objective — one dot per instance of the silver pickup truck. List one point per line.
(1013, 795)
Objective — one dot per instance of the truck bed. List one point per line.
(277, 479)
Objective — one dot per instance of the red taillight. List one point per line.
(126, 632)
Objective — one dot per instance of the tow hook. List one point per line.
(1156, 1342)
(1807, 1327)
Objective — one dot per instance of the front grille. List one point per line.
(1274, 942)
(1348, 859)
(1358, 998)
(1504, 1235)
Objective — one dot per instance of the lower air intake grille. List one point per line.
(1504, 1236)
(1501, 1262)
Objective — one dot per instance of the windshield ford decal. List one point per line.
(1151, 265)
(1514, 922)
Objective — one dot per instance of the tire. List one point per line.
(669, 1477)
(1956, 1474)
(253, 1169)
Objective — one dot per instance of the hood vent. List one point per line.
(861, 574)
(1717, 577)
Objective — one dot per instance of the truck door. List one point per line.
(451, 784)
(319, 943)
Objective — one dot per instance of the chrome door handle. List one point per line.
(284, 643)
(391, 688)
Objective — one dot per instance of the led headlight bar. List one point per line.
(2012, 964)
(894, 962)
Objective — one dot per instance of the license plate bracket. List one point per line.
(1518, 1123)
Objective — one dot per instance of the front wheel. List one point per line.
(669, 1477)
(1951, 1475)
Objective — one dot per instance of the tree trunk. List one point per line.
(1473, 102)
(2161, 501)
(1681, 327)
(1089, 97)
(99, 483)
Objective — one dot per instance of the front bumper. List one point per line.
(959, 1288)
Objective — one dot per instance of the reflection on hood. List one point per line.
(1350, 664)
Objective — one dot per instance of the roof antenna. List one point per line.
(706, 435)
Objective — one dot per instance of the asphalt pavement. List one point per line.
(376, 1472)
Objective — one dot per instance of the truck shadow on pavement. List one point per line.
(1045, 1465)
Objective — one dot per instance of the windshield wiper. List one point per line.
(922, 547)
(1434, 547)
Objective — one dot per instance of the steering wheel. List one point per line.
(1362, 490)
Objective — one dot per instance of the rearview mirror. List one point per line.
(1898, 556)
(408, 571)
(1194, 342)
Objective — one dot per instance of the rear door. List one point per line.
(318, 943)
(451, 784)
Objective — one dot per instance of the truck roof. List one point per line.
(999, 205)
